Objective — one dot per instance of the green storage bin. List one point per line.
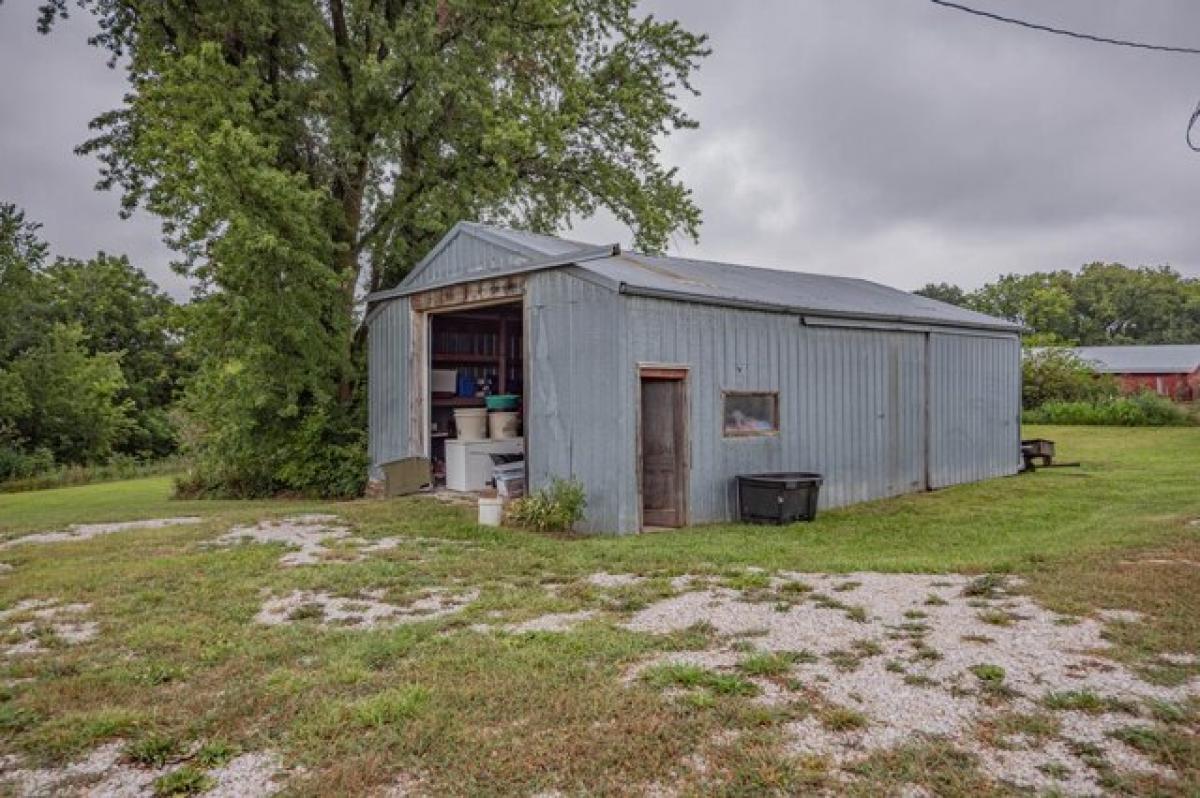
(503, 401)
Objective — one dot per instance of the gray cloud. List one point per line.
(891, 140)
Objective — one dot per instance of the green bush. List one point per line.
(1144, 409)
(555, 509)
(18, 465)
(1053, 374)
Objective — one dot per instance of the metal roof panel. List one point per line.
(1142, 359)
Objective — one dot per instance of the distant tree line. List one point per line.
(90, 357)
(1102, 303)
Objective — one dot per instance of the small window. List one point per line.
(751, 413)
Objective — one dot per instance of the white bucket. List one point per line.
(471, 423)
(491, 511)
(504, 424)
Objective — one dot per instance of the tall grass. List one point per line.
(118, 468)
(1138, 410)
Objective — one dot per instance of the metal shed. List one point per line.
(668, 377)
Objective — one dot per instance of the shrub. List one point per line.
(16, 464)
(1054, 374)
(554, 509)
(1144, 409)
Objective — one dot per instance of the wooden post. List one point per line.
(418, 380)
(502, 387)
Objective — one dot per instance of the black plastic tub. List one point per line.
(778, 498)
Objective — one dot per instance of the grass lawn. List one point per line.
(179, 663)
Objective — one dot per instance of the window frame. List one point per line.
(741, 434)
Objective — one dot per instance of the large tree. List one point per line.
(304, 150)
(22, 253)
(120, 310)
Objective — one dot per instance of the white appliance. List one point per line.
(469, 463)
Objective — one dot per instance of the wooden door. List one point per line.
(664, 449)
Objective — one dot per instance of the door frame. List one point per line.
(679, 373)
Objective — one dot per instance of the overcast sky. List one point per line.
(887, 139)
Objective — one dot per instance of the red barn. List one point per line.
(1171, 370)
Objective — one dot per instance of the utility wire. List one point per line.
(1162, 48)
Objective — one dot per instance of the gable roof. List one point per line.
(1143, 359)
(707, 282)
(519, 243)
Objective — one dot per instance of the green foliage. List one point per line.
(299, 152)
(121, 311)
(389, 707)
(768, 663)
(153, 750)
(944, 292)
(988, 673)
(37, 470)
(1104, 303)
(685, 675)
(215, 754)
(187, 780)
(243, 446)
(72, 404)
(1058, 375)
(21, 255)
(1145, 409)
(554, 509)
(74, 334)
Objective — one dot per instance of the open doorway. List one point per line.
(477, 395)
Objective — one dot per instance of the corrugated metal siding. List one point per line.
(463, 256)
(851, 401)
(975, 406)
(573, 414)
(388, 341)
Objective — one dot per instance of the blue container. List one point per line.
(466, 384)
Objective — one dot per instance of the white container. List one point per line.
(471, 423)
(469, 463)
(491, 511)
(504, 424)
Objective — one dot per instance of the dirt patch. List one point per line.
(406, 785)
(554, 622)
(365, 612)
(76, 532)
(249, 774)
(103, 774)
(606, 580)
(318, 538)
(34, 626)
(903, 657)
(1120, 616)
(305, 533)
